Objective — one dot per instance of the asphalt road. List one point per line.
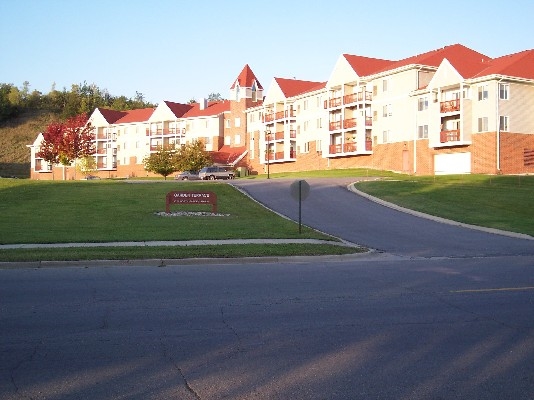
(333, 209)
(421, 322)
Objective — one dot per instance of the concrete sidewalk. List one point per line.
(176, 243)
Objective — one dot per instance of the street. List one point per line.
(413, 321)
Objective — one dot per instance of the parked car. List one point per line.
(187, 176)
(216, 172)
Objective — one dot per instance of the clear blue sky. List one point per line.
(177, 50)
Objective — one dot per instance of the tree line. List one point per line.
(80, 99)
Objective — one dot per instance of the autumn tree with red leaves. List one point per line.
(64, 142)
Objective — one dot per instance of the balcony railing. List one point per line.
(368, 121)
(349, 123)
(449, 136)
(279, 155)
(335, 102)
(335, 125)
(355, 97)
(449, 106)
(292, 134)
(342, 148)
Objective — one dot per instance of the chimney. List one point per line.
(203, 103)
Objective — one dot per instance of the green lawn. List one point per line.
(500, 202)
(108, 211)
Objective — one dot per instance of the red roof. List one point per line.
(139, 115)
(213, 108)
(520, 65)
(246, 78)
(466, 61)
(227, 154)
(178, 109)
(365, 65)
(294, 87)
(111, 115)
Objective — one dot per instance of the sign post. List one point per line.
(299, 191)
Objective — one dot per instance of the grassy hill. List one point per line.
(15, 135)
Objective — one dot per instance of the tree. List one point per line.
(192, 157)
(64, 142)
(162, 162)
(215, 97)
(86, 165)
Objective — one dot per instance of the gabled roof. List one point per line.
(366, 65)
(466, 61)
(178, 109)
(520, 65)
(111, 115)
(227, 155)
(213, 108)
(294, 87)
(246, 78)
(139, 115)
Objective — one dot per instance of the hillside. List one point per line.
(15, 135)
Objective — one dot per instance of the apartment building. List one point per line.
(449, 110)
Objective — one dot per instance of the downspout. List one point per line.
(498, 126)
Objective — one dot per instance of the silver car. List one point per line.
(216, 172)
(187, 176)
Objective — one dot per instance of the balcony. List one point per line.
(335, 125)
(449, 136)
(356, 97)
(342, 148)
(279, 156)
(368, 121)
(349, 123)
(449, 106)
(335, 102)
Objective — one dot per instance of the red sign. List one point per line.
(183, 197)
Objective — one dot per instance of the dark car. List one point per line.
(217, 172)
(187, 176)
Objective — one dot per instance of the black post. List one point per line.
(300, 206)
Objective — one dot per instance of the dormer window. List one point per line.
(254, 92)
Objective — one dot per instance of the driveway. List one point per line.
(333, 209)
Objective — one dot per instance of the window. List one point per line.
(504, 91)
(384, 85)
(422, 132)
(375, 90)
(305, 126)
(385, 136)
(318, 102)
(237, 139)
(227, 140)
(237, 122)
(483, 92)
(318, 146)
(319, 123)
(387, 110)
(504, 123)
(306, 147)
(305, 106)
(228, 123)
(254, 93)
(423, 103)
(483, 124)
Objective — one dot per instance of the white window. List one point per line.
(504, 124)
(227, 140)
(237, 139)
(483, 92)
(387, 110)
(319, 123)
(423, 103)
(237, 122)
(306, 147)
(318, 146)
(305, 106)
(305, 126)
(385, 85)
(483, 124)
(251, 148)
(228, 123)
(318, 105)
(504, 91)
(422, 132)
(386, 136)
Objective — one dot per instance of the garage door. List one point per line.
(455, 163)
